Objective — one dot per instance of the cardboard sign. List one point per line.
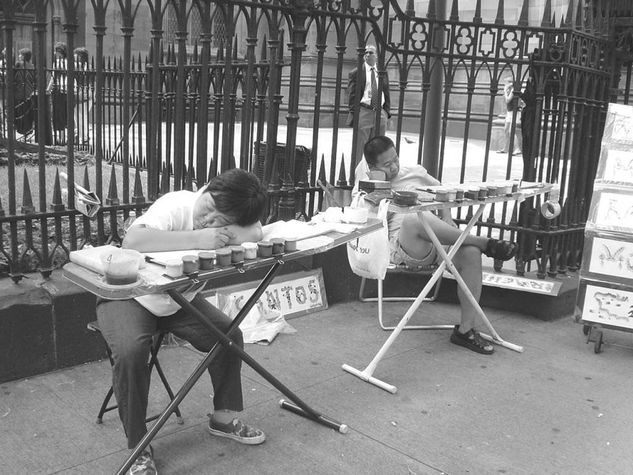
(293, 294)
(609, 306)
(515, 282)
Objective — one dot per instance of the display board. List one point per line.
(605, 294)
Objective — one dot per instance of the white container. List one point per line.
(173, 267)
(355, 215)
(250, 250)
(121, 266)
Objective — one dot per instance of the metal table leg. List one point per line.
(224, 339)
(367, 374)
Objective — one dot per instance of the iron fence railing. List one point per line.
(238, 75)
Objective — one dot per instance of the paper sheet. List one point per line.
(302, 230)
(90, 257)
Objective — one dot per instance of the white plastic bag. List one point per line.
(369, 255)
(261, 325)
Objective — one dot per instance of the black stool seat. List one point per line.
(153, 363)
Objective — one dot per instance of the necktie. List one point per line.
(375, 97)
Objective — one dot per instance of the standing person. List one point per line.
(373, 96)
(410, 245)
(24, 86)
(512, 102)
(82, 97)
(57, 89)
(225, 211)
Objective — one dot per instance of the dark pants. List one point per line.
(128, 328)
(367, 129)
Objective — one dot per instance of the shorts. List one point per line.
(399, 256)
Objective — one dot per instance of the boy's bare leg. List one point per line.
(415, 241)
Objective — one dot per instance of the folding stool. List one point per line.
(153, 363)
(393, 269)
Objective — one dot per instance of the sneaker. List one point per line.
(144, 464)
(471, 340)
(237, 431)
(500, 249)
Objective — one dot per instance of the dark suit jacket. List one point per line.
(358, 77)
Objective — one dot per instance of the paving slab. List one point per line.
(556, 408)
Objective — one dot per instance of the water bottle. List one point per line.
(128, 222)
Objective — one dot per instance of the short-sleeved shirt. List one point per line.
(409, 178)
(171, 212)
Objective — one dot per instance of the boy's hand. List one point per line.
(214, 238)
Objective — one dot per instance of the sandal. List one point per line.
(237, 431)
(471, 340)
(500, 249)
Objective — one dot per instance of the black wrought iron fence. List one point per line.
(258, 72)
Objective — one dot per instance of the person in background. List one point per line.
(225, 211)
(58, 93)
(364, 82)
(411, 247)
(83, 97)
(512, 102)
(24, 86)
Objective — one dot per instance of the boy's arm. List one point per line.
(252, 233)
(146, 239)
(445, 214)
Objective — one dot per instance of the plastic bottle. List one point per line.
(128, 222)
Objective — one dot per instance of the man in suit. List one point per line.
(374, 95)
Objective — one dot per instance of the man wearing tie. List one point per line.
(374, 97)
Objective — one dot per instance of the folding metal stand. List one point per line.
(152, 283)
(367, 374)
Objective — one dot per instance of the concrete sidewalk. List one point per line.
(557, 408)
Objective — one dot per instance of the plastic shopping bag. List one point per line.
(369, 255)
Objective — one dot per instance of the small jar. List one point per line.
(515, 186)
(459, 194)
(264, 249)
(190, 264)
(441, 194)
(493, 190)
(223, 256)
(472, 193)
(250, 250)
(291, 244)
(206, 259)
(483, 193)
(237, 254)
(173, 268)
(451, 194)
(278, 246)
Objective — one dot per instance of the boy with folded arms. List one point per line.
(226, 211)
(411, 246)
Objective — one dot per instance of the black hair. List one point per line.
(26, 54)
(60, 47)
(239, 194)
(82, 52)
(375, 146)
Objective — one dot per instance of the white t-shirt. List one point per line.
(408, 178)
(171, 212)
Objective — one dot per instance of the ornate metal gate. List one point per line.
(216, 81)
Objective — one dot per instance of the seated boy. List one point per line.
(411, 246)
(225, 211)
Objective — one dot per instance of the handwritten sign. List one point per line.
(515, 282)
(293, 294)
(608, 306)
(611, 258)
(616, 166)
